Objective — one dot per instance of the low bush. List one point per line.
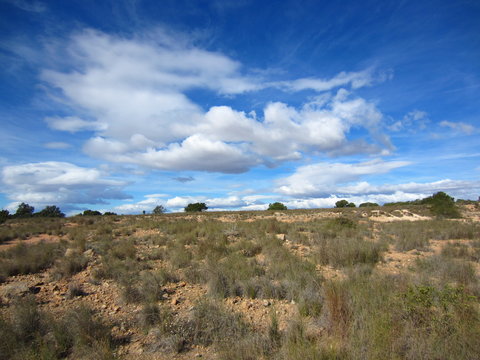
(341, 252)
(23, 259)
(442, 205)
(448, 270)
(232, 276)
(67, 266)
(408, 235)
(277, 206)
(29, 333)
(211, 323)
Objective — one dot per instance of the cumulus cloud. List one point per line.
(147, 205)
(410, 192)
(416, 119)
(329, 202)
(322, 184)
(324, 178)
(135, 90)
(447, 185)
(459, 127)
(178, 203)
(59, 183)
(194, 153)
(356, 192)
(73, 124)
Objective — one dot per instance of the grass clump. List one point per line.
(209, 323)
(23, 259)
(448, 270)
(297, 277)
(408, 235)
(29, 333)
(232, 276)
(343, 252)
(67, 266)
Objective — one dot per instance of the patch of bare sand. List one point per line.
(396, 215)
(396, 262)
(30, 241)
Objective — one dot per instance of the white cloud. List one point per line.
(147, 205)
(59, 183)
(57, 145)
(194, 153)
(324, 178)
(416, 119)
(356, 192)
(423, 190)
(321, 185)
(459, 127)
(329, 202)
(30, 6)
(447, 185)
(178, 203)
(354, 79)
(74, 124)
(135, 90)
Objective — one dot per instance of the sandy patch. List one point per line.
(30, 241)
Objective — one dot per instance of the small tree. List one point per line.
(277, 206)
(91, 213)
(109, 213)
(24, 210)
(3, 216)
(159, 209)
(51, 211)
(442, 205)
(344, 203)
(196, 207)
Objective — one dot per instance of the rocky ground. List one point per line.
(104, 296)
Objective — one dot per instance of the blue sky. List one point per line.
(123, 105)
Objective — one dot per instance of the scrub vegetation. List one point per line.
(298, 284)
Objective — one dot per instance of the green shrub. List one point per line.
(159, 209)
(92, 213)
(277, 206)
(4, 214)
(24, 211)
(343, 204)
(50, 211)
(196, 207)
(442, 205)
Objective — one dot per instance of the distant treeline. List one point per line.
(440, 203)
(25, 210)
